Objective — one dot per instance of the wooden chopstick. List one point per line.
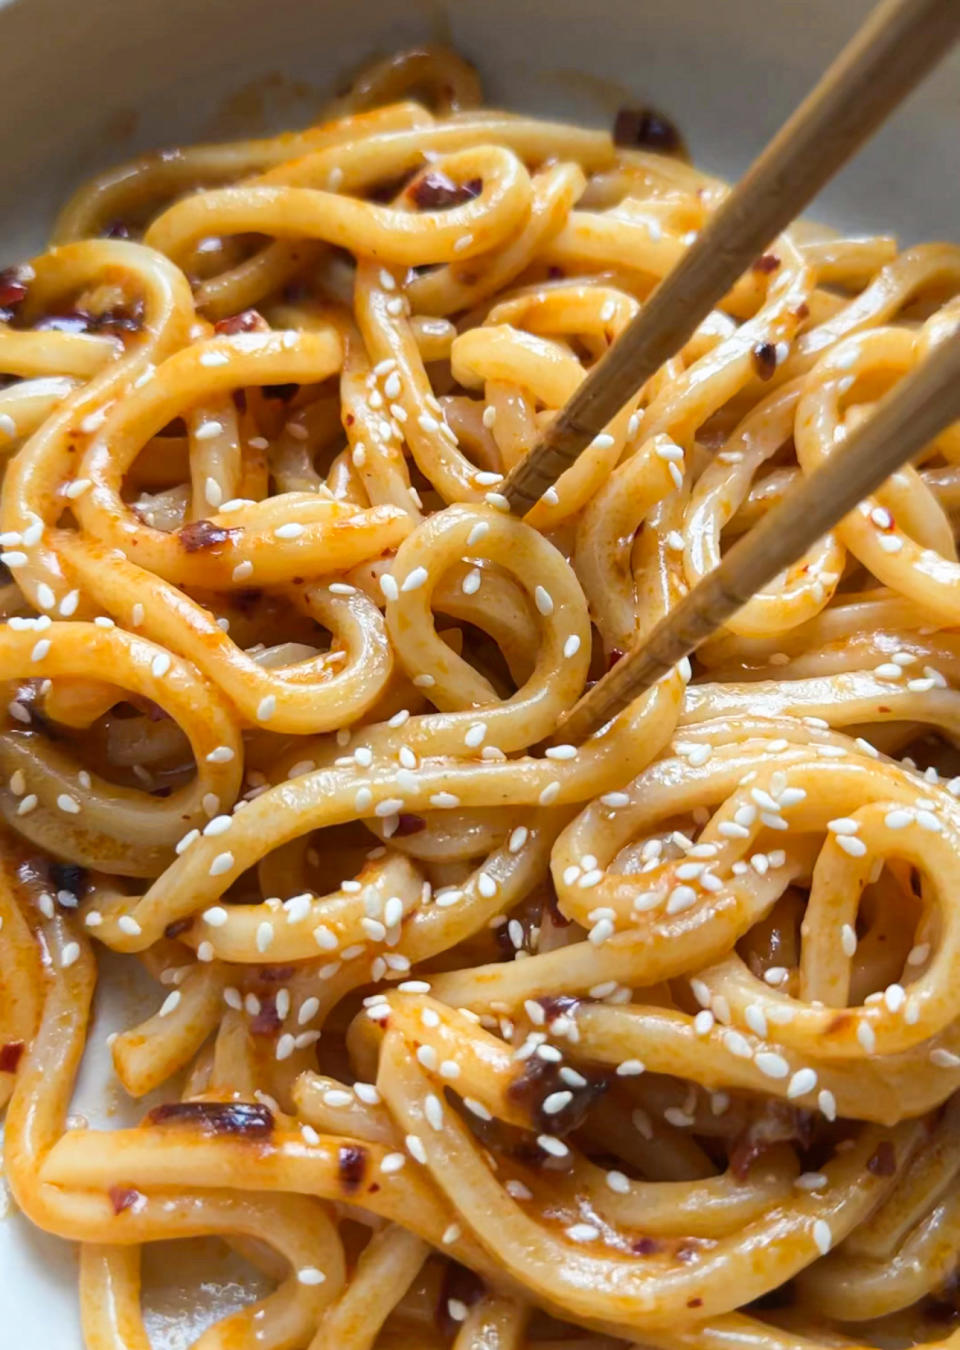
(905, 420)
(899, 43)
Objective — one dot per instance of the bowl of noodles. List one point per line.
(344, 1005)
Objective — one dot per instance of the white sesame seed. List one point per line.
(433, 1110)
(802, 1082)
(772, 1065)
(556, 1102)
(543, 600)
(867, 1037)
(415, 579)
(944, 1059)
(681, 898)
(223, 862)
(266, 708)
(894, 996)
(898, 819)
(310, 1275)
(69, 955)
(737, 1045)
(476, 735)
(822, 1236)
(549, 793)
(128, 924)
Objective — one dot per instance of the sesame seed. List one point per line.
(894, 996)
(772, 1065)
(681, 898)
(827, 1103)
(393, 1162)
(850, 844)
(802, 1082)
(266, 708)
(867, 1037)
(631, 1068)
(223, 862)
(822, 1236)
(898, 819)
(69, 955)
(476, 734)
(415, 579)
(415, 1148)
(944, 1059)
(810, 1181)
(550, 793)
(128, 924)
(555, 1102)
(736, 1044)
(848, 940)
(682, 1120)
(389, 586)
(755, 1019)
(310, 1275)
(543, 600)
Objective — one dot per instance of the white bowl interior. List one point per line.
(139, 74)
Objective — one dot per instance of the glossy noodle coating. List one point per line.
(460, 1036)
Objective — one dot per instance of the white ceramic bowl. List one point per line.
(87, 84)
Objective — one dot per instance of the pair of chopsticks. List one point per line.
(900, 42)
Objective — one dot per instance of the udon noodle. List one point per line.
(465, 1037)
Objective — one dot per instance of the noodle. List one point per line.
(464, 1038)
